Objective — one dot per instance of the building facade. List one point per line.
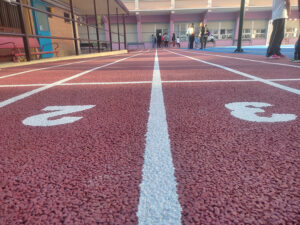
(149, 17)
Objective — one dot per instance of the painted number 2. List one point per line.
(44, 120)
(248, 111)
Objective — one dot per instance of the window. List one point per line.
(67, 17)
(246, 34)
(259, 33)
(9, 16)
(49, 10)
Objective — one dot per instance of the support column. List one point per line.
(241, 22)
(172, 4)
(171, 25)
(74, 27)
(237, 24)
(136, 4)
(88, 32)
(96, 23)
(106, 27)
(204, 18)
(118, 28)
(124, 26)
(139, 27)
(23, 30)
(109, 27)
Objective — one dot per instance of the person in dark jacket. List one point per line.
(158, 40)
(173, 39)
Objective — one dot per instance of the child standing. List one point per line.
(178, 42)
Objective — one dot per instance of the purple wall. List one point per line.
(221, 16)
(156, 19)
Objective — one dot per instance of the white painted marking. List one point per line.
(145, 82)
(248, 111)
(244, 59)
(29, 93)
(220, 81)
(43, 120)
(158, 203)
(107, 83)
(44, 68)
(22, 85)
(292, 90)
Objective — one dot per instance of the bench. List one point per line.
(15, 46)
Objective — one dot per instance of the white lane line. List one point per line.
(147, 82)
(44, 68)
(22, 85)
(158, 203)
(244, 59)
(271, 83)
(220, 81)
(107, 83)
(29, 93)
(51, 67)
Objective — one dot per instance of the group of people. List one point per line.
(161, 41)
(202, 37)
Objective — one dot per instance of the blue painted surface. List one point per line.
(41, 25)
(287, 50)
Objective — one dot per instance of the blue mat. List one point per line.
(287, 50)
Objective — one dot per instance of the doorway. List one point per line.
(41, 24)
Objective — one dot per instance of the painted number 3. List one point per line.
(44, 120)
(248, 111)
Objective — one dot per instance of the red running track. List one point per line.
(229, 170)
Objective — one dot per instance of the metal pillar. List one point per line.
(88, 32)
(97, 29)
(74, 27)
(118, 28)
(239, 44)
(23, 29)
(124, 26)
(108, 14)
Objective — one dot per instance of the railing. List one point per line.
(77, 40)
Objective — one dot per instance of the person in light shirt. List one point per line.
(280, 12)
(191, 36)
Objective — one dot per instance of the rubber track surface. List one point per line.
(228, 170)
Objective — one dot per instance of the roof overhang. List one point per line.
(86, 7)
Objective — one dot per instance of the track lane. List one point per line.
(19, 70)
(55, 72)
(242, 74)
(265, 71)
(120, 72)
(43, 88)
(229, 170)
(285, 62)
(268, 70)
(86, 172)
(194, 70)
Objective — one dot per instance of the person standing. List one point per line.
(191, 36)
(280, 11)
(178, 41)
(153, 41)
(201, 34)
(297, 45)
(158, 40)
(166, 40)
(205, 37)
(173, 40)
